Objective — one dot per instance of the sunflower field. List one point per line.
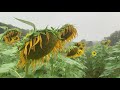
(42, 53)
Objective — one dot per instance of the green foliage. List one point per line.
(106, 63)
(112, 68)
(6, 67)
(114, 37)
(26, 22)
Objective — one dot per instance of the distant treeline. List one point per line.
(114, 37)
(11, 26)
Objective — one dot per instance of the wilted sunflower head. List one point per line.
(37, 46)
(106, 42)
(80, 44)
(81, 48)
(83, 44)
(67, 32)
(94, 53)
(75, 52)
(109, 41)
(11, 36)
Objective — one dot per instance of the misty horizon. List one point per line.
(91, 26)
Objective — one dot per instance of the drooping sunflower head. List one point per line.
(94, 53)
(11, 36)
(37, 47)
(67, 32)
(83, 44)
(80, 44)
(106, 42)
(75, 52)
(81, 48)
(109, 41)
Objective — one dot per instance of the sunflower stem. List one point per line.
(26, 69)
(19, 76)
(65, 72)
(34, 29)
(52, 63)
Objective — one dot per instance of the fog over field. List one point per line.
(90, 25)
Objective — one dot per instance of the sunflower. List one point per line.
(39, 45)
(106, 42)
(81, 48)
(75, 52)
(94, 53)
(80, 44)
(83, 44)
(109, 41)
(67, 33)
(11, 36)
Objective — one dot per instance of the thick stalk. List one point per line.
(26, 69)
(65, 72)
(52, 67)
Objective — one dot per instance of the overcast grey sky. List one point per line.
(90, 25)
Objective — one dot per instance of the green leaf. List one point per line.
(118, 77)
(106, 73)
(10, 52)
(27, 22)
(15, 73)
(111, 58)
(72, 62)
(6, 67)
(52, 28)
(4, 27)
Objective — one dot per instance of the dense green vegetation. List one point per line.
(105, 64)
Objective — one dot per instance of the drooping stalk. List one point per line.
(27, 69)
(17, 73)
(52, 63)
(27, 22)
(4, 27)
(65, 72)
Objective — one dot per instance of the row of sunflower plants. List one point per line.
(41, 54)
(101, 60)
(37, 48)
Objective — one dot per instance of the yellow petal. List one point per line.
(40, 41)
(25, 49)
(30, 46)
(48, 36)
(35, 42)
